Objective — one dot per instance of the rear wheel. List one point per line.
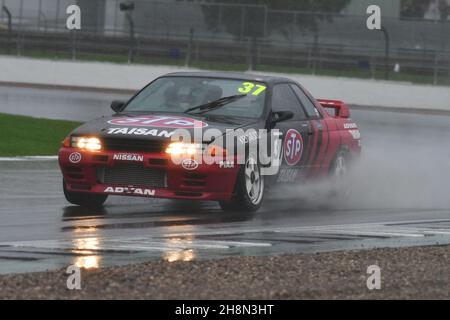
(249, 189)
(339, 174)
(339, 167)
(84, 199)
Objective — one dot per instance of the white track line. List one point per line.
(372, 233)
(388, 226)
(443, 232)
(135, 244)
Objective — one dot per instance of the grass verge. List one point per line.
(27, 136)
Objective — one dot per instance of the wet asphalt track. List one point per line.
(400, 197)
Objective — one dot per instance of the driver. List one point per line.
(213, 93)
(174, 100)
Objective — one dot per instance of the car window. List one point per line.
(311, 110)
(177, 94)
(284, 99)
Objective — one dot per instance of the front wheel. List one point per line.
(91, 200)
(249, 189)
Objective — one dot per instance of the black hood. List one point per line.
(160, 126)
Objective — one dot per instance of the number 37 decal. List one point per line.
(250, 87)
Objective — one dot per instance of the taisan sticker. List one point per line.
(174, 122)
(140, 132)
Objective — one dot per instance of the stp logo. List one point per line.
(189, 164)
(75, 157)
(293, 147)
(160, 122)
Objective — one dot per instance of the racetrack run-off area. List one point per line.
(331, 275)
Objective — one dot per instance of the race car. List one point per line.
(225, 137)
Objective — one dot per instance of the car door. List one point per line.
(326, 137)
(297, 134)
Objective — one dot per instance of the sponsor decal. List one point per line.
(355, 134)
(293, 147)
(189, 164)
(130, 190)
(160, 122)
(228, 164)
(250, 136)
(128, 157)
(140, 132)
(350, 125)
(288, 175)
(75, 157)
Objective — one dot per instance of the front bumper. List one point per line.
(84, 172)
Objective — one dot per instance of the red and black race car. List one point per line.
(208, 136)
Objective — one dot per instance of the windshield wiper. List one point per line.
(216, 104)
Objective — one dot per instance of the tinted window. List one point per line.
(311, 110)
(284, 99)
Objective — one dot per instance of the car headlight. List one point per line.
(184, 149)
(86, 143)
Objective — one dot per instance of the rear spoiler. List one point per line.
(340, 108)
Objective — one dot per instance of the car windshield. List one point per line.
(180, 94)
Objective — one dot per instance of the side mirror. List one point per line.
(117, 105)
(281, 116)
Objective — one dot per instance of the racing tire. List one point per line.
(90, 200)
(339, 173)
(249, 190)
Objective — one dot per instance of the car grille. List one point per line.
(132, 174)
(118, 144)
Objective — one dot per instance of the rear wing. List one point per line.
(340, 108)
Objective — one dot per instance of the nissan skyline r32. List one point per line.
(139, 150)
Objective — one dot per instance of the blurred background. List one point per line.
(324, 37)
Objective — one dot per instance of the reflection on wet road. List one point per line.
(39, 231)
(400, 197)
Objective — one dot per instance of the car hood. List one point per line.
(161, 126)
